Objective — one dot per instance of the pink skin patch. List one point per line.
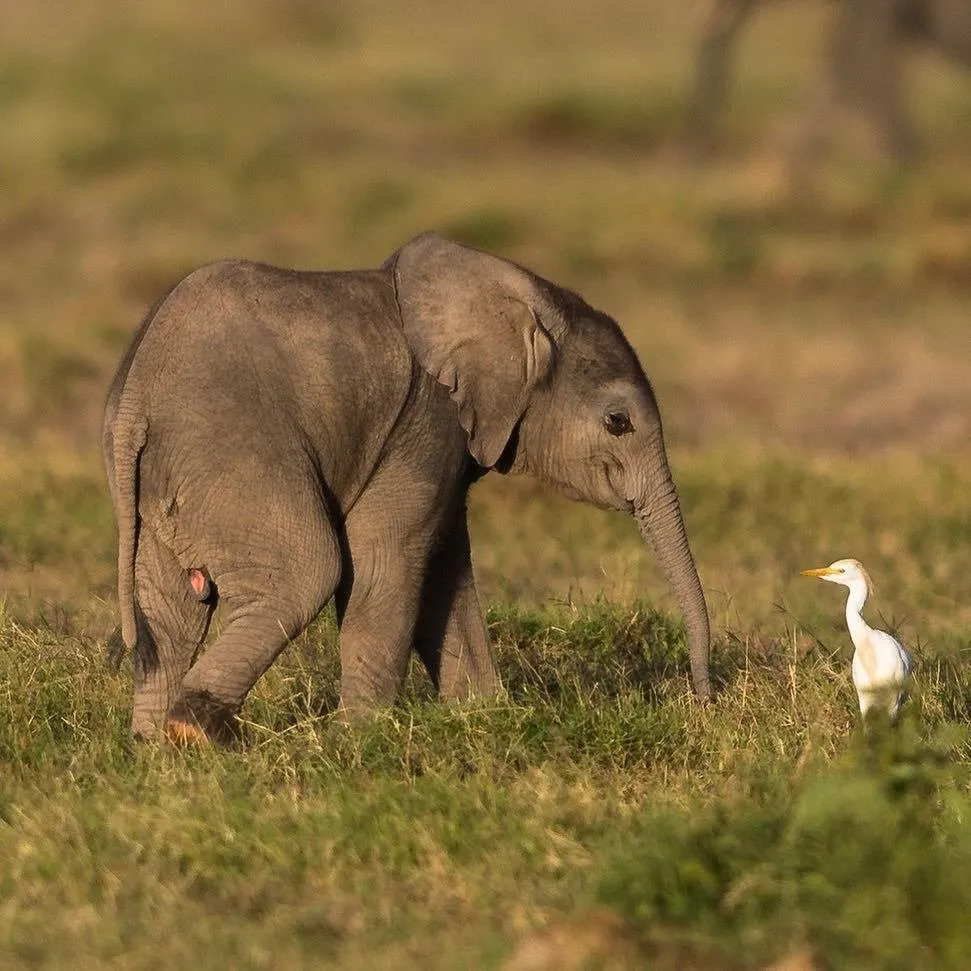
(199, 583)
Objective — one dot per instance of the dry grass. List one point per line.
(821, 333)
(808, 354)
(825, 330)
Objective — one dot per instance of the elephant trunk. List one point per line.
(659, 519)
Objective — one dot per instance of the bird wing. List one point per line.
(893, 661)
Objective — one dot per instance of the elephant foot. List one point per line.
(200, 719)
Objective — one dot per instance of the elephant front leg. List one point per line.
(451, 636)
(376, 611)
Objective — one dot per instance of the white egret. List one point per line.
(881, 665)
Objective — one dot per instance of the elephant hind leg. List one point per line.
(172, 624)
(270, 603)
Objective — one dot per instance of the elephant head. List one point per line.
(547, 385)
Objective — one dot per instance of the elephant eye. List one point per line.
(618, 423)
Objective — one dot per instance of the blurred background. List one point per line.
(800, 304)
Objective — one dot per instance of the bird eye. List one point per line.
(618, 423)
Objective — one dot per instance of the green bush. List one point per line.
(865, 863)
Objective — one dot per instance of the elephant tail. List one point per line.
(129, 440)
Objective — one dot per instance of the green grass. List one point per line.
(807, 352)
(744, 829)
(861, 863)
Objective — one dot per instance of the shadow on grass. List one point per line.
(580, 120)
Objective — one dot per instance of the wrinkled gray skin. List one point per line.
(276, 438)
(862, 73)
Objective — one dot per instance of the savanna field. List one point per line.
(809, 352)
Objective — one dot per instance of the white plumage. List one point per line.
(881, 665)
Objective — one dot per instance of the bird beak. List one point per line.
(823, 571)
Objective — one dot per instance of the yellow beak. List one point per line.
(823, 571)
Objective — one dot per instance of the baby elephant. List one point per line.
(276, 438)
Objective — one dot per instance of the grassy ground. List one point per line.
(808, 353)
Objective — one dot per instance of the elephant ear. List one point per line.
(473, 323)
